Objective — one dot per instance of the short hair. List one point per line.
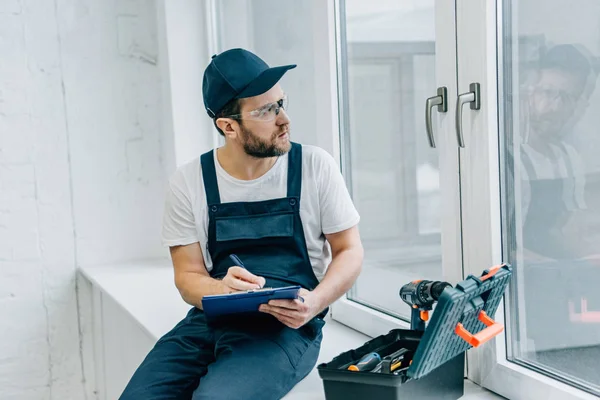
(233, 107)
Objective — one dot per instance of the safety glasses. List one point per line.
(266, 113)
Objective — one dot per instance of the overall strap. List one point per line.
(294, 179)
(209, 174)
(528, 165)
(568, 161)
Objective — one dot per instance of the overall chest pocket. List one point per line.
(254, 226)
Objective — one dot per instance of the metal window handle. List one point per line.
(441, 101)
(473, 97)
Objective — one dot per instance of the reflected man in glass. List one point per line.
(552, 172)
(560, 268)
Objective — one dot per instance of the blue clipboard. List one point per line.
(245, 302)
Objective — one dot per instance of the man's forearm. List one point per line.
(341, 275)
(193, 287)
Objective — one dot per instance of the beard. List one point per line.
(260, 148)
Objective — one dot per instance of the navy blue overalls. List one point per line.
(255, 357)
(547, 212)
(549, 286)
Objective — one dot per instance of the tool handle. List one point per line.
(366, 363)
(416, 323)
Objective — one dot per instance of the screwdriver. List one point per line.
(366, 363)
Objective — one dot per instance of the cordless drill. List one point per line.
(420, 295)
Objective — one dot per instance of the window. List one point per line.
(389, 71)
(552, 187)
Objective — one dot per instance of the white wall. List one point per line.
(81, 174)
(112, 87)
(39, 343)
(183, 33)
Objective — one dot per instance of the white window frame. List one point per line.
(351, 313)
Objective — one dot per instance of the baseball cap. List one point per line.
(236, 74)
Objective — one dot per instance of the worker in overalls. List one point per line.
(283, 209)
(557, 274)
(552, 171)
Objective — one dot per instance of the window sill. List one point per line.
(145, 292)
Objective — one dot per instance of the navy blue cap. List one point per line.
(236, 74)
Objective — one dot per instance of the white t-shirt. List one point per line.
(325, 204)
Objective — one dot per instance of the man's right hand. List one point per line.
(238, 279)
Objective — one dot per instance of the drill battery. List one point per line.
(395, 362)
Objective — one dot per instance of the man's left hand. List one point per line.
(293, 313)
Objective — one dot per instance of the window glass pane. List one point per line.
(552, 185)
(390, 72)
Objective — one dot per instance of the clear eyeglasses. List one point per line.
(266, 113)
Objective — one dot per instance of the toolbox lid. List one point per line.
(462, 319)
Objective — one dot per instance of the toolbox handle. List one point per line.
(491, 272)
(493, 329)
(487, 274)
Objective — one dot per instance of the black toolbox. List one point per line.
(462, 319)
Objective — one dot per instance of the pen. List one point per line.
(237, 261)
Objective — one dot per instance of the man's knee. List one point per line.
(274, 387)
(263, 371)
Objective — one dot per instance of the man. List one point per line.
(284, 210)
(557, 241)
(552, 172)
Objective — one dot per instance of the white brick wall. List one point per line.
(81, 176)
(112, 84)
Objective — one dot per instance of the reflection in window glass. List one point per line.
(552, 187)
(390, 72)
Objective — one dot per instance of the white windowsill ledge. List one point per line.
(146, 292)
